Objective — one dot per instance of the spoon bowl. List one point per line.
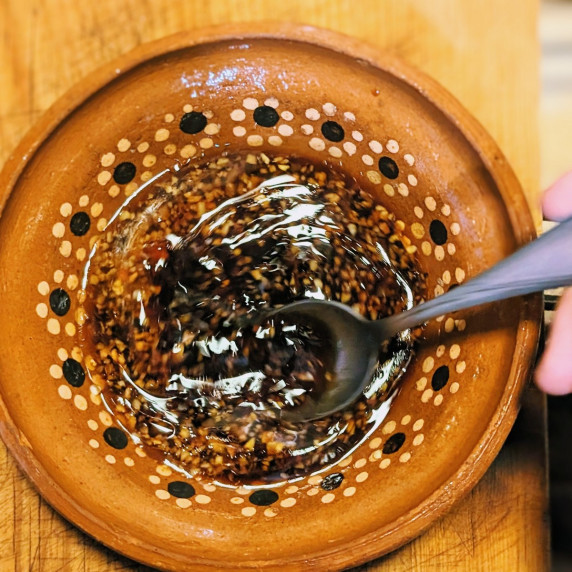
(354, 344)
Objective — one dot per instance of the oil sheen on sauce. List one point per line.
(176, 293)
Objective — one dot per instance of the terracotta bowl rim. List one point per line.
(477, 462)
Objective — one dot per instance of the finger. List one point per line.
(557, 200)
(554, 373)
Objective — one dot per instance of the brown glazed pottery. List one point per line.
(460, 204)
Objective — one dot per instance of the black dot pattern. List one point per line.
(115, 438)
(332, 481)
(73, 372)
(80, 223)
(193, 122)
(388, 167)
(440, 378)
(181, 490)
(263, 497)
(394, 443)
(266, 116)
(60, 302)
(332, 131)
(124, 173)
(438, 232)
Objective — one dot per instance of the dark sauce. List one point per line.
(178, 290)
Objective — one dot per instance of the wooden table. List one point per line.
(484, 51)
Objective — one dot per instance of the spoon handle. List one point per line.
(541, 264)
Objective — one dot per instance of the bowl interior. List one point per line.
(399, 145)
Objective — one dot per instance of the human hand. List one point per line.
(554, 373)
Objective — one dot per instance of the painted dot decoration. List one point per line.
(329, 109)
(254, 140)
(375, 456)
(103, 178)
(193, 122)
(333, 131)
(392, 146)
(449, 325)
(164, 470)
(162, 134)
(332, 481)
(427, 395)
(183, 503)
(315, 480)
(287, 503)
(80, 223)
(59, 229)
(65, 248)
(312, 114)
(238, 115)
(60, 302)
(266, 116)
(80, 402)
(115, 438)
(335, 152)
(375, 443)
(376, 146)
(438, 232)
(124, 173)
(394, 443)
(388, 167)
(368, 160)
(73, 372)
(455, 351)
(418, 425)
(440, 378)
(285, 130)
(64, 392)
(264, 497)
(250, 103)
(180, 489)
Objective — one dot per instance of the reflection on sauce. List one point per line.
(176, 294)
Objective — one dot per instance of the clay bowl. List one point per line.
(461, 206)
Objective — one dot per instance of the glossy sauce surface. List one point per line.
(177, 291)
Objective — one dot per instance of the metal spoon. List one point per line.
(542, 264)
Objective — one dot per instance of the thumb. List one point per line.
(557, 199)
(554, 373)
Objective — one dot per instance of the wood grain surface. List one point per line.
(484, 51)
